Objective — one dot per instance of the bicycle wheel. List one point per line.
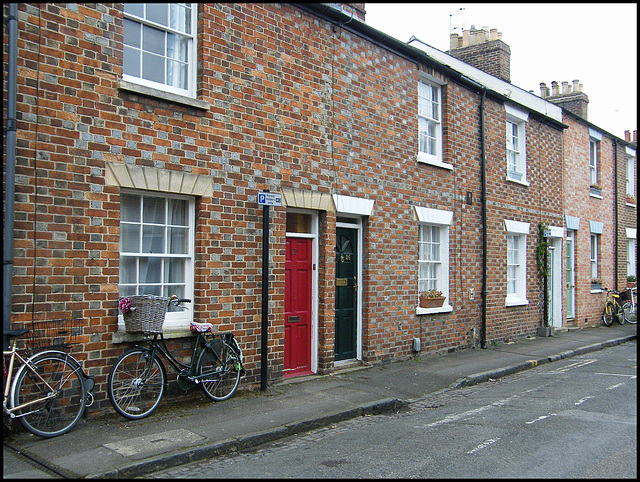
(221, 371)
(59, 410)
(136, 383)
(629, 312)
(607, 314)
(619, 314)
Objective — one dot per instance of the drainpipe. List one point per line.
(483, 179)
(10, 174)
(615, 213)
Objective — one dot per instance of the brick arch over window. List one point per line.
(154, 179)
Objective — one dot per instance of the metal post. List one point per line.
(265, 298)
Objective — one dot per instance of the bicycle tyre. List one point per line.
(619, 314)
(129, 395)
(607, 314)
(629, 312)
(222, 376)
(53, 416)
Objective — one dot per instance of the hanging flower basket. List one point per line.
(431, 299)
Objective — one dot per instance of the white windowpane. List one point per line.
(180, 18)
(152, 67)
(150, 270)
(136, 9)
(131, 62)
(158, 13)
(177, 240)
(128, 270)
(174, 271)
(153, 210)
(130, 208)
(131, 33)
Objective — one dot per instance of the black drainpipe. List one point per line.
(483, 178)
(10, 174)
(615, 211)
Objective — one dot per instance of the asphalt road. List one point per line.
(575, 418)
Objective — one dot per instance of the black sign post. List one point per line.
(265, 199)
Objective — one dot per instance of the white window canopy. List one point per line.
(433, 216)
(516, 227)
(353, 205)
(596, 227)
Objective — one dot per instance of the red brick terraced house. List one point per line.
(146, 131)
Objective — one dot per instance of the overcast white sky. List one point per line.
(595, 43)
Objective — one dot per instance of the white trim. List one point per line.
(596, 227)
(594, 134)
(353, 205)
(630, 151)
(433, 216)
(631, 233)
(422, 157)
(513, 112)
(516, 227)
(572, 222)
(556, 232)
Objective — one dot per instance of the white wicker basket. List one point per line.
(146, 315)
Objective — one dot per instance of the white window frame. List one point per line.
(631, 252)
(516, 144)
(191, 49)
(595, 138)
(175, 319)
(631, 176)
(440, 220)
(518, 231)
(429, 84)
(593, 255)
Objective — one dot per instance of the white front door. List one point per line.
(555, 282)
(571, 277)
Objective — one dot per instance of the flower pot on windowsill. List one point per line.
(427, 302)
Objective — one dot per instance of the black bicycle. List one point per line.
(137, 380)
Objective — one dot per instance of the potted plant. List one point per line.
(631, 280)
(431, 298)
(596, 284)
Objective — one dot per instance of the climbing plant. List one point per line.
(541, 249)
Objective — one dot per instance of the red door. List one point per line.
(297, 307)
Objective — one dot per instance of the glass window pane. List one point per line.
(177, 47)
(158, 12)
(150, 270)
(174, 270)
(177, 74)
(180, 17)
(130, 238)
(130, 208)
(151, 290)
(127, 290)
(177, 241)
(128, 270)
(153, 239)
(153, 209)
(153, 40)
(131, 62)
(177, 212)
(153, 68)
(136, 9)
(131, 33)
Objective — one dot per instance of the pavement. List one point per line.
(108, 446)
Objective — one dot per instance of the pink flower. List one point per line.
(125, 305)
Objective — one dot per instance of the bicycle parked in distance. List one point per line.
(619, 306)
(138, 378)
(50, 391)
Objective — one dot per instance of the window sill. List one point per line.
(516, 302)
(434, 162)
(595, 195)
(599, 290)
(121, 336)
(433, 311)
(180, 99)
(518, 181)
(630, 205)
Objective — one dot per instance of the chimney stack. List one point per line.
(483, 49)
(571, 99)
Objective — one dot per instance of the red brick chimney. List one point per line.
(484, 50)
(628, 138)
(571, 98)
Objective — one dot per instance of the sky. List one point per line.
(595, 43)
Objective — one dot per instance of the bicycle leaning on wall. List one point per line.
(138, 378)
(50, 391)
(619, 306)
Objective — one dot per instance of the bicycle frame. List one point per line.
(201, 343)
(13, 353)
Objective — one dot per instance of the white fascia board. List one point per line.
(516, 94)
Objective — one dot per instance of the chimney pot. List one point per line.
(555, 88)
(494, 34)
(543, 90)
(627, 136)
(576, 85)
(565, 87)
(634, 135)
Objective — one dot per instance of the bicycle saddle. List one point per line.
(201, 327)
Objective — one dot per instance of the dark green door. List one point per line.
(346, 293)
